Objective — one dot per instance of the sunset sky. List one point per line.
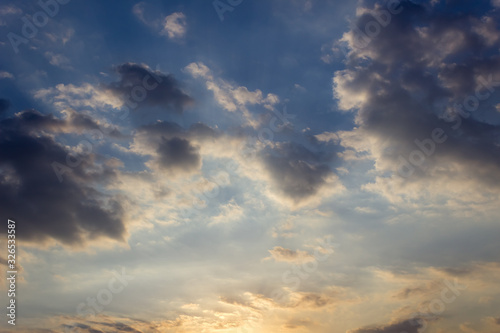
(248, 166)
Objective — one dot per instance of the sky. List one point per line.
(251, 166)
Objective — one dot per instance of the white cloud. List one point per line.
(138, 11)
(327, 137)
(230, 212)
(63, 35)
(232, 97)
(174, 26)
(58, 60)
(84, 96)
(6, 11)
(9, 10)
(199, 70)
(6, 75)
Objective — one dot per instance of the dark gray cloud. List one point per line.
(458, 271)
(120, 327)
(32, 330)
(313, 300)
(107, 327)
(140, 85)
(170, 129)
(419, 290)
(407, 80)
(32, 120)
(177, 153)
(80, 328)
(408, 326)
(70, 211)
(297, 171)
(174, 145)
(112, 325)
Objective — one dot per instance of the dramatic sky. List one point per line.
(247, 166)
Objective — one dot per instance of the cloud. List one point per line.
(6, 11)
(9, 10)
(99, 324)
(249, 300)
(297, 323)
(73, 122)
(139, 10)
(229, 212)
(177, 153)
(6, 75)
(63, 35)
(167, 190)
(172, 147)
(70, 96)
(408, 326)
(311, 300)
(174, 26)
(231, 97)
(58, 60)
(289, 312)
(119, 327)
(420, 290)
(296, 171)
(71, 211)
(140, 85)
(199, 70)
(414, 82)
(328, 137)
(108, 324)
(206, 322)
(170, 129)
(280, 254)
(19, 268)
